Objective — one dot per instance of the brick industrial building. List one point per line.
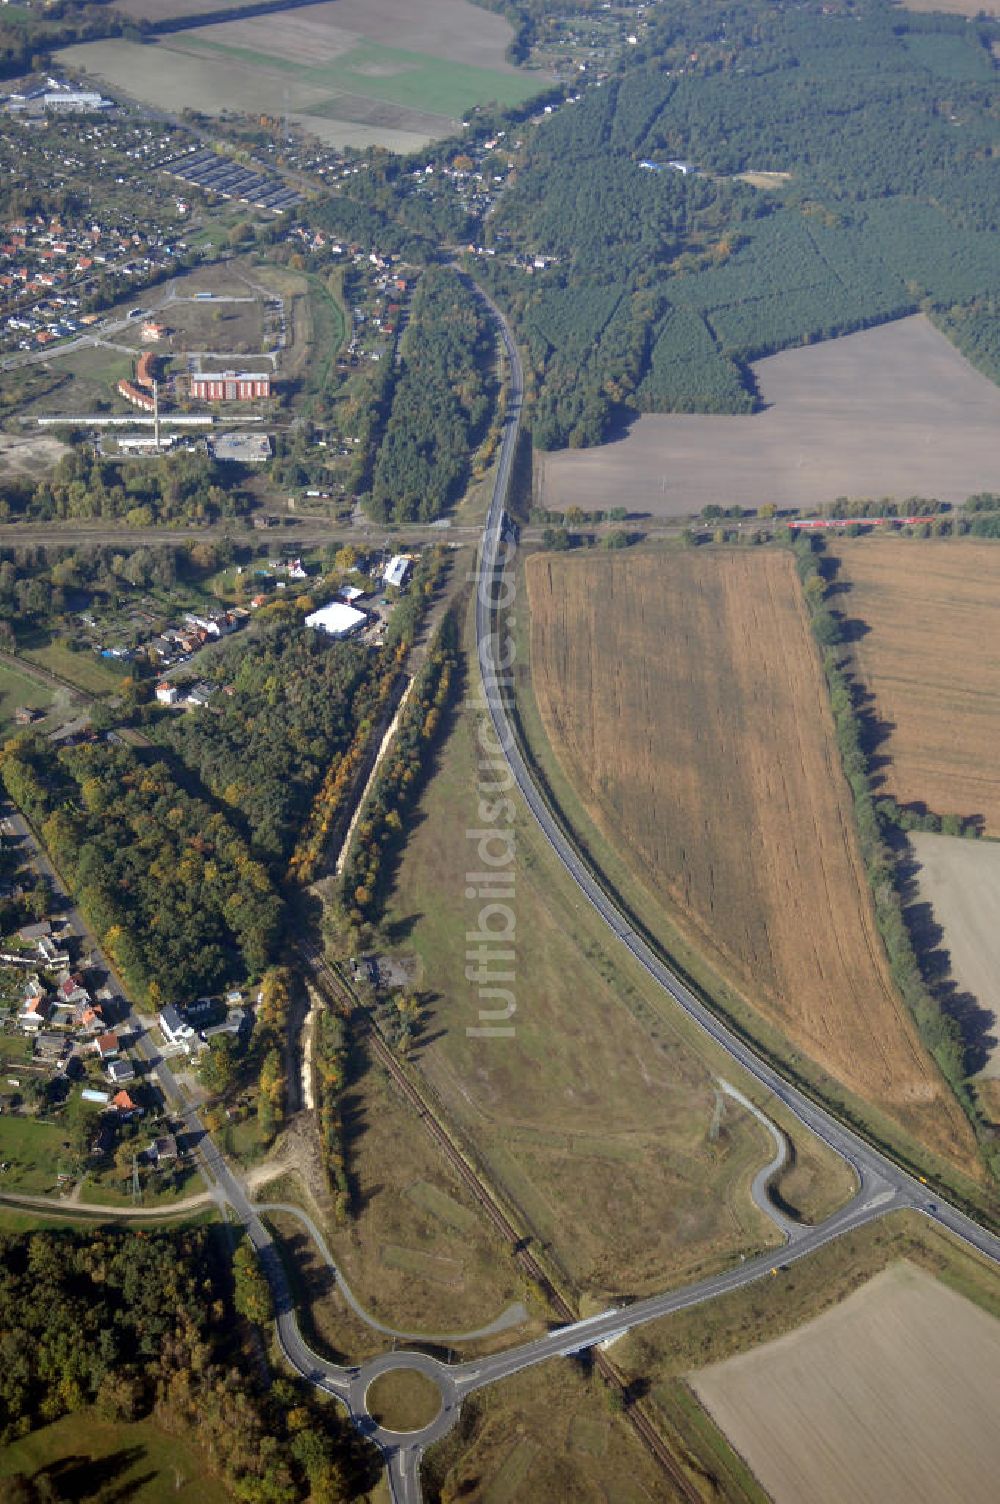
(230, 386)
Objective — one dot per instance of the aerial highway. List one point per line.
(873, 1168)
(883, 1186)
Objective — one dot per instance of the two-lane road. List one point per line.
(873, 1168)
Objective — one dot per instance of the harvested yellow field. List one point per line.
(685, 698)
(889, 1398)
(930, 659)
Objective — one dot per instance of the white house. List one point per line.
(175, 1030)
(396, 570)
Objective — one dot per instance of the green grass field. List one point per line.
(85, 670)
(86, 1458)
(412, 80)
(109, 1190)
(18, 689)
(86, 381)
(14, 1049)
(31, 1148)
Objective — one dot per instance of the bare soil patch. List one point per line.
(888, 1398)
(684, 696)
(169, 10)
(454, 29)
(929, 655)
(893, 411)
(311, 65)
(31, 456)
(960, 882)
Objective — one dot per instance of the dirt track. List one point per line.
(890, 1398)
(893, 411)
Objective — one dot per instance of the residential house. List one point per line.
(32, 932)
(88, 1019)
(48, 950)
(49, 1046)
(120, 1070)
(166, 694)
(235, 1022)
(162, 1149)
(34, 1013)
(106, 1046)
(70, 992)
(124, 1105)
(175, 1029)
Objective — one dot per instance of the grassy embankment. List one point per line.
(598, 1120)
(416, 1249)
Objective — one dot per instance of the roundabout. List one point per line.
(404, 1399)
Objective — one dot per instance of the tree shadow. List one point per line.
(80, 1478)
(398, 930)
(980, 1027)
(873, 730)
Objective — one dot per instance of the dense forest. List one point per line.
(167, 883)
(666, 280)
(144, 1323)
(175, 488)
(295, 700)
(440, 405)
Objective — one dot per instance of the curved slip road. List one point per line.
(876, 1172)
(883, 1186)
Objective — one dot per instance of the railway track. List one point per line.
(341, 994)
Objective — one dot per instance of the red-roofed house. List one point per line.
(71, 992)
(87, 1018)
(106, 1046)
(34, 1013)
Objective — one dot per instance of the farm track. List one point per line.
(338, 990)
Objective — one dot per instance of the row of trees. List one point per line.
(167, 883)
(441, 402)
(330, 1056)
(328, 806)
(400, 779)
(941, 1034)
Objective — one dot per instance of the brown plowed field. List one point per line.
(931, 660)
(889, 1398)
(686, 700)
